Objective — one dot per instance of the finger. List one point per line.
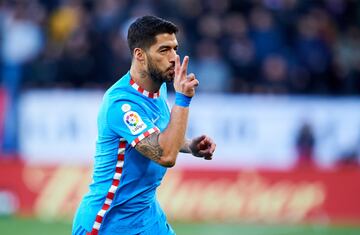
(204, 143)
(207, 143)
(208, 140)
(190, 76)
(199, 138)
(203, 146)
(210, 144)
(184, 65)
(194, 83)
(205, 153)
(212, 148)
(208, 158)
(177, 64)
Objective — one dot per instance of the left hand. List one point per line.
(202, 146)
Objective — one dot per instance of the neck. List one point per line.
(142, 78)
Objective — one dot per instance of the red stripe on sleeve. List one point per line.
(99, 219)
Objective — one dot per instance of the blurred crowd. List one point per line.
(296, 47)
(247, 46)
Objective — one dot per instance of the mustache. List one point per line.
(172, 67)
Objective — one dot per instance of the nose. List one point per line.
(173, 55)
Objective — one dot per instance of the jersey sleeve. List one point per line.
(130, 121)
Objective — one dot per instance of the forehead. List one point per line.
(165, 39)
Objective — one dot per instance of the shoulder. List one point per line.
(119, 96)
(121, 91)
(119, 88)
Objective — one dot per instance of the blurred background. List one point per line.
(279, 92)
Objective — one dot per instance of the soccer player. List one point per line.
(139, 138)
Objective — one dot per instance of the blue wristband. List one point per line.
(182, 100)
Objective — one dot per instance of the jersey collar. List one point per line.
(142, 91)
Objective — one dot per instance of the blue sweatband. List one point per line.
(182, 100)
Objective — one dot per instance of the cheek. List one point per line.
(162, 64)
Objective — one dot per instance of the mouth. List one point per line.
(171, 71)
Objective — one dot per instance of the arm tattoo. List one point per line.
(149, 147)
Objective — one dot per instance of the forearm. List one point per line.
(171, 140)
(164, 147)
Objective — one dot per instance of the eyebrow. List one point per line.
(166, 47)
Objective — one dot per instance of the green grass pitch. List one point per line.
(32, 226)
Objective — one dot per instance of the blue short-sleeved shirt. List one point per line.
(121, 197)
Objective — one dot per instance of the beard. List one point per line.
(159, 76)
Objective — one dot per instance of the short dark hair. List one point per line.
(143, 30)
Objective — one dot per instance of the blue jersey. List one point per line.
(122, 197)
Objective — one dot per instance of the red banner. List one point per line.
(287, 196)
(267, 196)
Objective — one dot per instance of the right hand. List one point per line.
(184, 83)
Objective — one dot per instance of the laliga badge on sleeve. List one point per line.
(134, 122)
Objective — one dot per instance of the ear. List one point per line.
(139, 55)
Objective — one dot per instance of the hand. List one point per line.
(184, 83)
(202, 146)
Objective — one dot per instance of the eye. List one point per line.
(163, 51)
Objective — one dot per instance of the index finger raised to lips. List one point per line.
(177, 64)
